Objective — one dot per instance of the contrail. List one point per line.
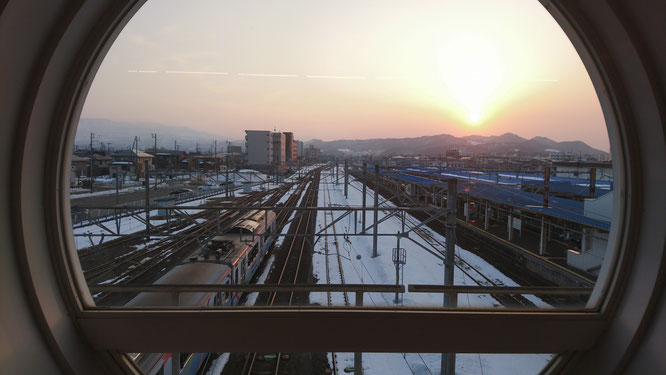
(338, 77)
(391, 77)
(194, 72)
(266, 75)
(141, 71)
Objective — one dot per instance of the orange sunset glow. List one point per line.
(349, 69)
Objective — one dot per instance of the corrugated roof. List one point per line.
(557, 184)
(562, 208)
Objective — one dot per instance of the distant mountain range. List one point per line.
(433, 145)
(120, 135)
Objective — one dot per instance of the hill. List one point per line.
(434, 145)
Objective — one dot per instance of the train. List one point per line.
(231, 258)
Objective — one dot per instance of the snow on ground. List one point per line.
(129, 225)
(422, 267)
(430, 363)
(104, 192)
(252, 297)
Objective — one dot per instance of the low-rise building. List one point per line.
(168, 160)
(80, 168)
(594, 241)
(101, 164)
(579, 169)
(233, 149)
(312, 154)
(131, 161)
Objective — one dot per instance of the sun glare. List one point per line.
(472, 71)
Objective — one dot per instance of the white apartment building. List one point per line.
(259, 146)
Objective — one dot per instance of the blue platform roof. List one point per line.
(569, 185)
(562, 208)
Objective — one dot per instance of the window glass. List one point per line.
(345, 126)
(343, 363)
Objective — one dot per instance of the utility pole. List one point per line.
(376, 212)
(217, 162)
(336, 171)
(346, 177)
(399, 258)
(226, 176)
(450, 299)
(546, 186)
(91, 161)
(365, 167)
(136, 157)
(117, 186)
(154, 135)
(146, 174)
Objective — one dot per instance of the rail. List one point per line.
(472, 289)
(352, 288)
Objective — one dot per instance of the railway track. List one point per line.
(465, 267)
(294, 249)
(336, 243)
(469, 270)
(136, 237)
(334, 361)
(168, 252)
(483, 280)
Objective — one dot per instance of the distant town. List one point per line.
(280, 153)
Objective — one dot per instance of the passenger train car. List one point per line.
(231, 258)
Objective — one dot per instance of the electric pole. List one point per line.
(450, 299)
(154, 135)
(91, 161)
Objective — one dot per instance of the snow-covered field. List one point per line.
(421, 267)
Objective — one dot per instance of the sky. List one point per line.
(349, 70)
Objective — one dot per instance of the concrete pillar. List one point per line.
(486, 219)
(510, 226)
(542, 239)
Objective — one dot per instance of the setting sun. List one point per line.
(472, 71)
